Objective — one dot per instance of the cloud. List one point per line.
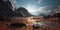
(46, 10)
(39, 1)
(31, 9)
(14, 2)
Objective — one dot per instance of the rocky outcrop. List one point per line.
(6, 8)
(21, 12)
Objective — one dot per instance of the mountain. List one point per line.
(6, 8)
(21, 12)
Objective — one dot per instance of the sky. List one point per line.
(37, 7)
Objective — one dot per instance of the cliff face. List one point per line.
(21, 12)
(6, 8)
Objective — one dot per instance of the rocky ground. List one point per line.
(26, 23)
